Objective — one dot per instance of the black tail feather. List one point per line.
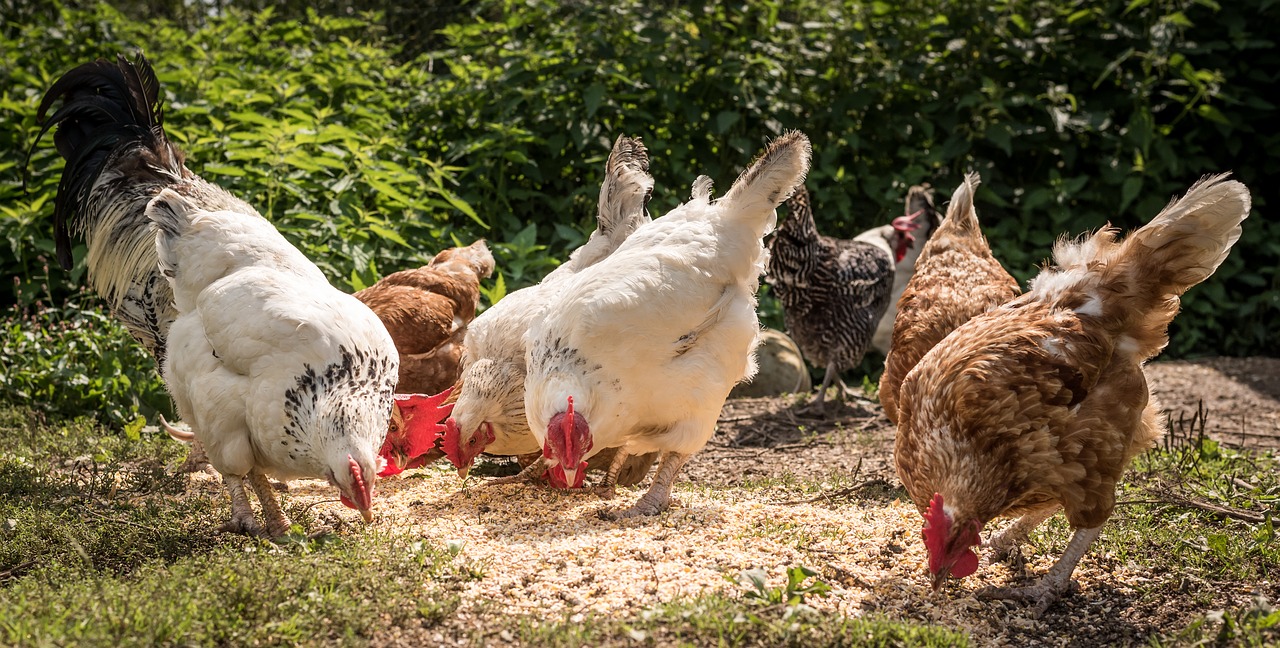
(106, 107)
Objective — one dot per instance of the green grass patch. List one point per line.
(718, 620)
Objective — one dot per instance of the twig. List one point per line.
(1225, 511)
(310, 506)
(828, 495)
(15, 571)
(126, 522)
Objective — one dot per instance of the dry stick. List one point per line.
(15, 570)
(828, 495)
(1226, 511)
(119, 521)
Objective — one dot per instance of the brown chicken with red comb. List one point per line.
(1039, 404)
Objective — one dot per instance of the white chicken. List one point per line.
(640, 350)
(278, 372)
(489, 413)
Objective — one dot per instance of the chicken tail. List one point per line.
(962, 218)
(626, 190)
(1133, 286)
(770, 180)
(109, 109)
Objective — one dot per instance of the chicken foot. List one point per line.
(277, 523)
(658, 498)
(1053, 584)
(608, 489)
(1002, 545)
(197, 460)
(242, 518)
(531, 473)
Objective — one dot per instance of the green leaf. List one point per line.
(592, 96)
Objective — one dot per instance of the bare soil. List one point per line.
(739, 506)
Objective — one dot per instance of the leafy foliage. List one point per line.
(756, 584)
(370, 158)
(75, 359)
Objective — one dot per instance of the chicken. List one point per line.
(276, 371)
(1040, 404)
(833, 291)
(956, 278)
(640, 350)
(427, 311)
(919, 201)
(489, 415)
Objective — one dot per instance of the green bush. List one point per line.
(370, 158)
(1075, 113)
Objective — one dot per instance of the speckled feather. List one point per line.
(833, 291)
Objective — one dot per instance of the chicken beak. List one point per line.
(940, 578)
(571, 476)
(367, 514)
(463, 471)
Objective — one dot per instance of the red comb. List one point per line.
(908, 222)
(566, 425)
(361, 489)
(936, 527)
(452, 443)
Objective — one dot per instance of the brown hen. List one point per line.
(1039, 404)
(956, 278)
(427, 310)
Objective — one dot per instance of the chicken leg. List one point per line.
(1053, 584)
(1002, 544)
(242, 518)
(277, 523)
(658, 498)
(608, 489)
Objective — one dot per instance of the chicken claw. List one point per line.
(242, 518)
(1043, 594)
(277, 523)
(533, 472)
(658, 498)
(1054, 584)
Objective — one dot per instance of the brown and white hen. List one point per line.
(1040, 403)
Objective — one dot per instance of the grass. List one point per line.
(102, 544)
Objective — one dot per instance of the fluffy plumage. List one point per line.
(956, 278)
(277, 372)
(833, 291)
(490, 395)
(1040, 403)
(656, 383)
(427, 311)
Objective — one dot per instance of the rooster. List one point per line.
(956, 278)
(919, 201)
(833, 291)
(286, 375)
(1041, 403)
(640, 350)
(489, 414)
(427, 311)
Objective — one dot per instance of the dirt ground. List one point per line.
(547, 553)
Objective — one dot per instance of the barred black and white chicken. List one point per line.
(278, 372)
(833, 291)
